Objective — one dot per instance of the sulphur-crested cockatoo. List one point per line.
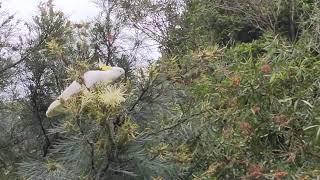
(90, 79)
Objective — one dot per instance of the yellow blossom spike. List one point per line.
(104, 67)
(52, 45)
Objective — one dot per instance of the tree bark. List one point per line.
(292, 23)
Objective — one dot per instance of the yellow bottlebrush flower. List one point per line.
(147, 129)
(67, 125)
(53, 166)
(163, 146)
(157, 178)
(211, 170)
(127, 132)
(76, 70)
(182, 154)
(104, 67)
(87, 97)
(112, 96)
(100, 145)
(71, 104)
(205, 105)
(130, 128)
(52, 45)
(161, 150)
(209, 53)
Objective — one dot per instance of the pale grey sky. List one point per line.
(77, 10)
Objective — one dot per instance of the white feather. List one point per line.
(90, 79)
(93, 77)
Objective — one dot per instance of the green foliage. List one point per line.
(259, 100)
(235, 94)
(249, 109)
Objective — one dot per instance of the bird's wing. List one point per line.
(72, 89)
(56, 107)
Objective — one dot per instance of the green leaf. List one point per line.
(318, 134)
(284, 100)
(273, 77)
(310, 127)
(308, 103)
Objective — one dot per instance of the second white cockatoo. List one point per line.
(90, 79)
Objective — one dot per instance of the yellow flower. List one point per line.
(53, 45)
(53, 166)
(87, 97)
(212, 169)
(67, 125)
(161, 150)
(182, 154)
(128, 131)
(112, 96)
(156, 178)
(130, 128)
(104, 67)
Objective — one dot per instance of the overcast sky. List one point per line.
(77, 10)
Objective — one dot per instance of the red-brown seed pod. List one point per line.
(280, 174)
(235, 80)
(245, 127)
(254, 170)
(265, 68)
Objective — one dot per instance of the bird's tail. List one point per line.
(54, 109)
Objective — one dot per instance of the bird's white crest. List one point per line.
(90, 79)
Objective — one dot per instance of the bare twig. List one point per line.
(123, 172)
(174, 125)
(25, 57)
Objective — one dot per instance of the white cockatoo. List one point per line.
(108, 74)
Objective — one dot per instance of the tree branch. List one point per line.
(42, 40)
(174, 125)
(123, 172)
